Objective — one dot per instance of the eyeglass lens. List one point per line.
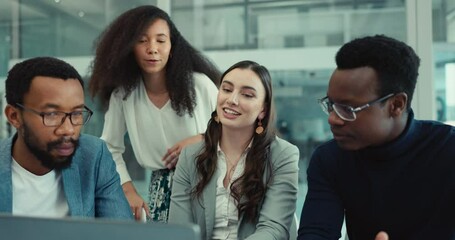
(76, 118)
(344, 112)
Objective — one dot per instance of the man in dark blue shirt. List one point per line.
(384, 170)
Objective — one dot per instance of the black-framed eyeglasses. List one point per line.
(57, 118)
(347, 112)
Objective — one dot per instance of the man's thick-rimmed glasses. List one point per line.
(57, 118)
(347, 112)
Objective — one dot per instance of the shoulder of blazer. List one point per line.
(280, 146)
(190, 153)
(5, 149)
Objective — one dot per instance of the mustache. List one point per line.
(63, 162)
(62, 140)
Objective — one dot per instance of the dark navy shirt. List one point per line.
(406, 187)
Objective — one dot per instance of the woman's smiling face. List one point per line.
(241, 100)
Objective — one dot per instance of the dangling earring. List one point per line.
(259, 129)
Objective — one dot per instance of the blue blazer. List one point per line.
(91, 184)
(278, 206)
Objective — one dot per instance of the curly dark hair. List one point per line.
(21, 75)
(257, 163)
(114, 65)
(395, 63)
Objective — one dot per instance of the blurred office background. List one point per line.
(295, 39)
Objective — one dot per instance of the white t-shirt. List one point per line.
(152, 130)
(38, 196)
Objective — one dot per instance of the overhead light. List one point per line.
(81, 14)
(57, 1)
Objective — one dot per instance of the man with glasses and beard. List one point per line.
(386, 173)
(48, 168)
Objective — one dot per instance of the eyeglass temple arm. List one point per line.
(376, 101)
(360, 108)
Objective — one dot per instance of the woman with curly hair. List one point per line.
(241, 181)
(157, 88)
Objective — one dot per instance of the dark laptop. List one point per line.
(28, 228)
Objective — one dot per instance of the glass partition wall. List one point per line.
(444, 59)
(295, 39)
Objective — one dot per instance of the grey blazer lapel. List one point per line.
(72, 188)
(245, 227)
(210, 204)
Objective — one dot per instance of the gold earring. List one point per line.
(259, 129)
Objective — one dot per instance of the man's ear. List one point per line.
(398, 104)
(13, 116)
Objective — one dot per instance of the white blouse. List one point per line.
(153, 130)
(226, 213)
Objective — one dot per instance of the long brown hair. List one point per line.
(250, 184)
(114, 65)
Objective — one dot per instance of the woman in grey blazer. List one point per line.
(241, 182)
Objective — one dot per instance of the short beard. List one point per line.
(46, 159)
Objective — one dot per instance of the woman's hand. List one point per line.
(172, 155)
(136, 202)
